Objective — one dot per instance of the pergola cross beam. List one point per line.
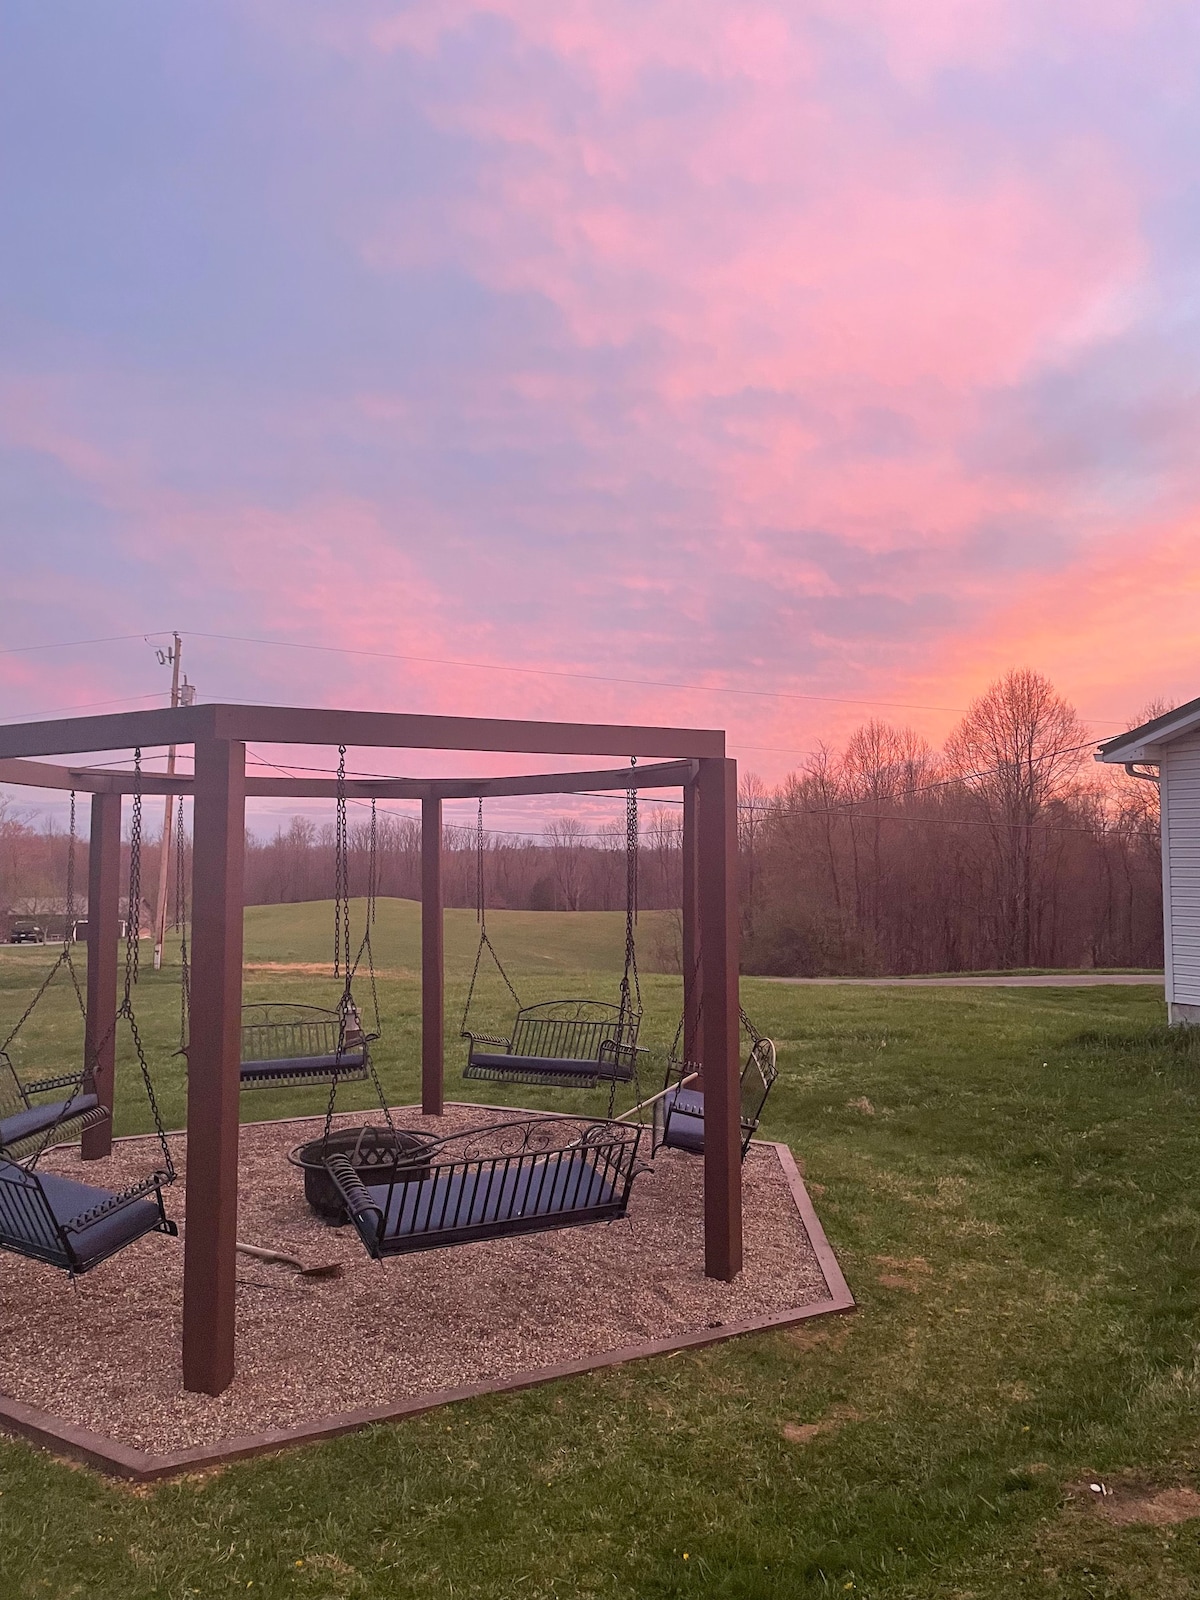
(301, 786)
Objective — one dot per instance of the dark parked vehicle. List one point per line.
(26, 932)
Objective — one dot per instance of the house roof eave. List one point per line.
(1146, 743)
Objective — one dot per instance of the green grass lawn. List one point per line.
(1009, 1178)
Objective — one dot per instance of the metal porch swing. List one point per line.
(24, 1117)
(523, 1176)
(565, 1044)
(679, 1105)
(59, 1220)
(285, 1044)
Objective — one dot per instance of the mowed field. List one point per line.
(1009, 1179)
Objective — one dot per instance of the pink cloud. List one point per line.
(774, 308)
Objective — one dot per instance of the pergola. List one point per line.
(693, 759)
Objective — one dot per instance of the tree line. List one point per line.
(1006, 848)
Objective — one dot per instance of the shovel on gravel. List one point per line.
(330, 1269)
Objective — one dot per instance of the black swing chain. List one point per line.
(341, 875)
(132, 937)
(65, 958)
(485, 942)
(342, 946)
(632, 849)
(372, 912)
(125, 1009)
(133, 909)
(181, 922)
(70, 874)
(365, 947)
(69, 922)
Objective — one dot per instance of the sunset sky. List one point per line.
(840, 354)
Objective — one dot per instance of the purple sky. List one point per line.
(843, 351)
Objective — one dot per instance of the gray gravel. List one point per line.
(104, 1354)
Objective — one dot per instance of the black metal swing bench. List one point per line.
(514, 1177)
(567, 1044)
(286, 1044)
(26, 1121)
(679, 1110)
(74, 1225)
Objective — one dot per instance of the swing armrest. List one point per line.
(66, 1081)
(364, 1210)
(614, 1054)
(610, 1047)
(490, 1039)
(121, 1201)
(354, 1191)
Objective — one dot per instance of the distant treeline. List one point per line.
(1007, 848)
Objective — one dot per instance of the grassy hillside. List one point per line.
(532, 941)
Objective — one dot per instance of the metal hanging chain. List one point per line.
(480, 898)
(132, 937)
(65, 958)
(133, 912)
(125, 1009)
(365, 947)
(69, 922)
(749, 1026)
(181, 922)
(481, 917)
(347, 1001)
(341, 875)
(341, 950)
(631, 997)
(331, 1104)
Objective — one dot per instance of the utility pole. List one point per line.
(183, 694)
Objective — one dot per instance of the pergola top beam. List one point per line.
(94, 780)
(41, 775)
(386, 729)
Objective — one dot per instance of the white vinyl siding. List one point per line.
(1180, 773)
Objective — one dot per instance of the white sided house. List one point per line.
(1171, 743)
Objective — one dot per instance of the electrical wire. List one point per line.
(75, 644)
(554, 672)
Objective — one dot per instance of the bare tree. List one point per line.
(564, 835)
(1018, 750)
(753, 805)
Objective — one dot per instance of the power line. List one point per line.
(83, 705)
(75, 644)
(583, 677)
(847, 809)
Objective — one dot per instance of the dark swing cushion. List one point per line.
(559, 1066)
(683, 1119)
(68, 1199)
(23, 1124)
(299, 1066)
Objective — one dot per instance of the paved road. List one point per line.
(1050, 980)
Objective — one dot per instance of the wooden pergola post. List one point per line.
(717, 784)
(214, 1058)
(690, 932)
(103, 937)
(433, 975)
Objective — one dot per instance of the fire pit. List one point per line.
(372, 1152)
